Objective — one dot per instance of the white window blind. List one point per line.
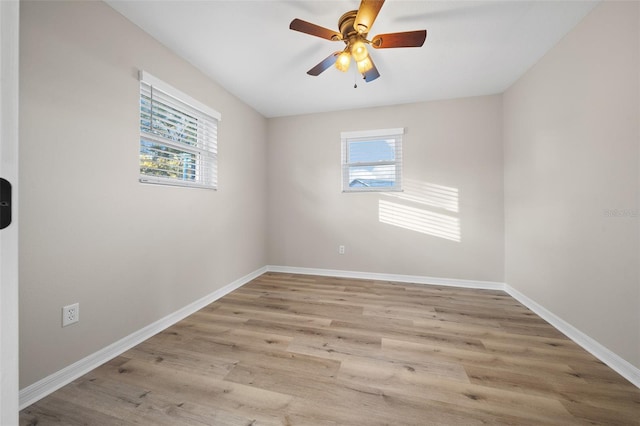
(372, 160)
(178, 137)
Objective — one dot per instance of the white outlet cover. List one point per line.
(70, 314)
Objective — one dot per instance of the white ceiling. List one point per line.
(473, 47)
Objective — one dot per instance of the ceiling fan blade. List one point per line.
(326, 63)
(372, 74)
(367, 13)
(314, 30)
(406, 39)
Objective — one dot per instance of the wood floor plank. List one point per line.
(214, 393)
(413, 384)
(405, 333)
(246, 314)
(61, 410)
(410, 350)
(180, 358)
(290, 349)
(483, 332)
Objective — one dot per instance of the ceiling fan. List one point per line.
(354, 27)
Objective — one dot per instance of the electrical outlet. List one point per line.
(70, 314)
(340, 249)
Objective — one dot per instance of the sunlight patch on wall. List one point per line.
(430, 194)
(419, 220)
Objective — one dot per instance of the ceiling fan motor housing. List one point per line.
(345, 23)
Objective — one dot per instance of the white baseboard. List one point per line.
(49, 384)
(55, 381)
(415, 279)
(622, 367)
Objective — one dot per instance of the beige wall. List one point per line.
(129, 253)
(452, 149)
(571, 179)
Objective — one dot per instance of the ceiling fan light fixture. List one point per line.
(364, 65)
(359, 50)
(343, 61)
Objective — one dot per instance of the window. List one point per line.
(372, 160)
(178, 137)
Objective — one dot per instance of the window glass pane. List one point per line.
(372, 176)
(371, 151)
(160, 160)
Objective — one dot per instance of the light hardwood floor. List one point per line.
(305, 350)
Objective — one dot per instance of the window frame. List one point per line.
(204, 150)
(396, 134)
